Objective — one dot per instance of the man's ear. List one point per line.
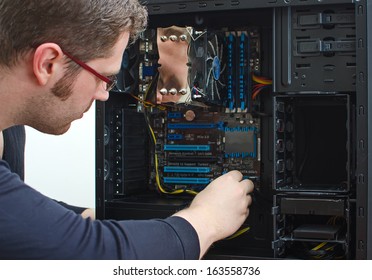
(47, 62)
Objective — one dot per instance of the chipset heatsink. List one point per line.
(240, 142)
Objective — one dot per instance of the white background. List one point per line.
(63, 167)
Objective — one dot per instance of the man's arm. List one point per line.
(219, 210)
(36, 227)
(83, 211)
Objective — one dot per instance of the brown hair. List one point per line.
(86, 29)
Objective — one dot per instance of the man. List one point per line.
(57, 57)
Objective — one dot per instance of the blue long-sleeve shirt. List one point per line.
(32, 226)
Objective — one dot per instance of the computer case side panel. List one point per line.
(368, 59)
(363, 242)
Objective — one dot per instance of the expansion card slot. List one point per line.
(178, 169)
(187, 148)
(187, 180)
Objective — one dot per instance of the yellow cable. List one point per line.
(147, 104)
(239, 232)
(319, 246)
(261, 80)
(157, 173)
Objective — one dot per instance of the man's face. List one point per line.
(56, 114)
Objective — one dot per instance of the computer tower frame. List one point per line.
(317, 56)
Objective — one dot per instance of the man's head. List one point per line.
(36, 35)
(86, 29)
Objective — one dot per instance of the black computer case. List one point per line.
(277, 89)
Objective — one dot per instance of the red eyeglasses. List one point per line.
(110, 81)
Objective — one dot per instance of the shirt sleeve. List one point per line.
(76, 209)
(35, 227)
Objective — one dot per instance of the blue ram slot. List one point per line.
(175, 136)
(243, 71)
(178, 169)
(231, 72)
(187, 148)
(191, 125)
(186, 180)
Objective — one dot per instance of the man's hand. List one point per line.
(220, 209)
(89, 213)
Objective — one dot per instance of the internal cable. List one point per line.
(260, 84)
(238, 233)
(157, 175)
